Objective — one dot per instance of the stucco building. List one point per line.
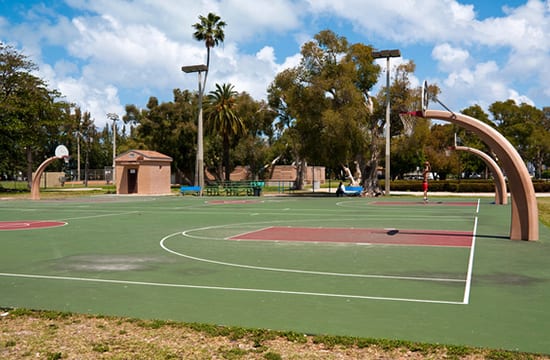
(143, 172)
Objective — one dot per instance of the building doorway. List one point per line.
(132, 181)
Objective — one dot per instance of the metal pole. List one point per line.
(113, 117)
(200, 150)
(379, 55)
(388, 132)
(78, 156)
(114, 153)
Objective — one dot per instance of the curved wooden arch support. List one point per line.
(525, 223)
(501, 194)
(35, 186)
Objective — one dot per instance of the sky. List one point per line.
(104, 54)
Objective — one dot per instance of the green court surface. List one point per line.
(442, 272)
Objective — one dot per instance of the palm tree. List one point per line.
(209, 30)
(223, 120)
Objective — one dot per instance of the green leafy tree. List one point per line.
(223, 121)
(526, 127)
(253, 148)
(408, 150)
(209, 30)
(321, 102)
(169, 128)
(470, 163)
(443, 161)
(30, 113)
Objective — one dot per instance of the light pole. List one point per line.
(199, 165)
(78, 135)
(380, 55)
(113, 117)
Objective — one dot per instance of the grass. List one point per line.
(50, 335)
(544, 210)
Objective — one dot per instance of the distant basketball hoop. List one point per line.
(61, 152)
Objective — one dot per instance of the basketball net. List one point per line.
(408, 122)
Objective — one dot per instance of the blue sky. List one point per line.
(104, 54)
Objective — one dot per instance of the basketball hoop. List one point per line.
(407, 119)
(448, 151)
(61, 152)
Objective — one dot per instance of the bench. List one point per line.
(190, 189)
(212, 190)
(353, 190)
(235, 188)
(248, 188)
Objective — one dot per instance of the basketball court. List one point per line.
(397, 268)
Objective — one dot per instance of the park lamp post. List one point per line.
(199, 165)
(114, 117)
(380, 55)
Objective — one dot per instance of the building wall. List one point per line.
(153, 178)
(283, 173)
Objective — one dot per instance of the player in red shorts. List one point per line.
(425, 172)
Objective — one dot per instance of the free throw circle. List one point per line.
(29, 224)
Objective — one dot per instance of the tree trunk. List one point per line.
(370, 182)
(226, 146)
(28, 152)
(301, 168)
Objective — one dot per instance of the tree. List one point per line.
(321, 102)
(526, 127)
(442, 160)
(408, 150)
(223, 121)
(253, 148)
(30, 113)
(470, 163)
(209, 30)
(169, 128)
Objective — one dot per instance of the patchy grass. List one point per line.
(51, 335)
(544, 210)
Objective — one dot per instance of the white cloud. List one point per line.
(249, 19)
(114, 48)
(449, 57)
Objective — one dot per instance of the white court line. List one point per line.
(102, 215)
(221, 288)
(468, 286)
(247, 232)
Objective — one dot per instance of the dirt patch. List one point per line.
(106, 263)
(48, 335)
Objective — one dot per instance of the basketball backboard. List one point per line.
(61, 151)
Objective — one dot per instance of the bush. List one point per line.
(458, 186)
